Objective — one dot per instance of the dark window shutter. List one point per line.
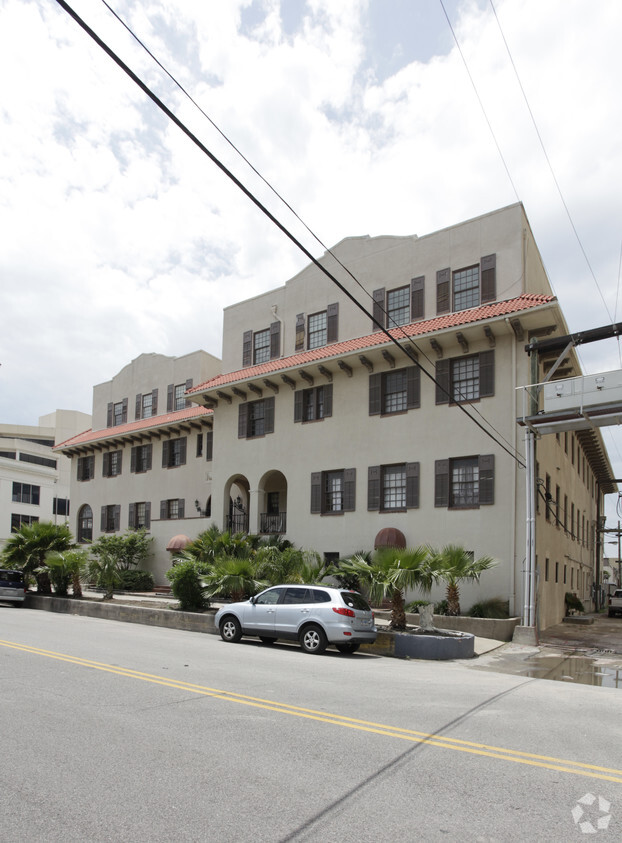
(300, 332)
(268, 409)
(148, 515)
(199, 444)
(117, 517)
(379, 310)
(349, 490)
(443, 385)
(149, 453)
(165, 450)
(170, 394)
(412, 485)
(486, 373)
(120, 463)
(106, 465)
(242, 421)
(373, 487)
(375, 394)
(124, 411)
(154, 402)
(188, 386)
(209, 445)
(417, 301)
(163, 510)
(298, 400)
(487, 479)
(275, 340)
(109, 414)
(183, 447)
(133, 459)
(131, 516)
(332, 322)
(316, 491)
(441, 483)
(413, 387)
(489, 278)
(247, 348)
(181, 508)
(103, 524)
(328, 400)
(442, 291)
(139, 406)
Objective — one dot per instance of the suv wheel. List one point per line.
(230, 629)
(313, 640)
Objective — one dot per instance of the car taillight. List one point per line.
(341, 611)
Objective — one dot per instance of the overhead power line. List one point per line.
(387, 318)
(173, 117)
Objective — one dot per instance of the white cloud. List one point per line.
(117, 232)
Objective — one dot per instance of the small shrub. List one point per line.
(186, 587)
(441, 608)
(573, 602)
(134, 580)
(493, 608)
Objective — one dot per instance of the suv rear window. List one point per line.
(11, 576)
(355, 601)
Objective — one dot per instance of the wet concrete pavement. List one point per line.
(589, 654)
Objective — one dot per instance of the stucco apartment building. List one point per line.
(320, 427)
(329, 432)
(146, 461)
(35, 481)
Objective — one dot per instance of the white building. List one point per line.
(333, 433)
(147, 460)
(35, 481)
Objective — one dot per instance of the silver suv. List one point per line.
(313, 615)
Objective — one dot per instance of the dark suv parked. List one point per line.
(12, 587)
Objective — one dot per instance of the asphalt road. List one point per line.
(120, 732)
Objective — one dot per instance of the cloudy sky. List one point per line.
(117, 236)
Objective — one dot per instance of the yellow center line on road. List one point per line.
(455, 744)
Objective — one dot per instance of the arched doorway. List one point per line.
(236, 504)
(273, 503)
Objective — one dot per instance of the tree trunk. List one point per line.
(398, 613)
(76, 586)
(44, 586)
(453, 600)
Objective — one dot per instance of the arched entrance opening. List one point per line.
(236, 504)
(272, 503)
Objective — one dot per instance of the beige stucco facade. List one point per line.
(355, 442)
(150, 466)
(325, 430)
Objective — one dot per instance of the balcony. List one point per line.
(273, 522)
(237, 523)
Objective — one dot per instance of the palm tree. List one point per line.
(105, 571)
(389, 573)
(235, 578)
(27, 547)
(287, 565)
(455, 565)
(66, 566)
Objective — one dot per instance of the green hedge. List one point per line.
(135, 580)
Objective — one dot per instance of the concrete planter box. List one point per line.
(434, 647)
(498, 629)
(112, 611)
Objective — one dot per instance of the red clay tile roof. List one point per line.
(526, 301)
(153, 423)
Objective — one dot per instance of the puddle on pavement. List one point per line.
(577, 669)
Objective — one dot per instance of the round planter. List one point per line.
(453, 645)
